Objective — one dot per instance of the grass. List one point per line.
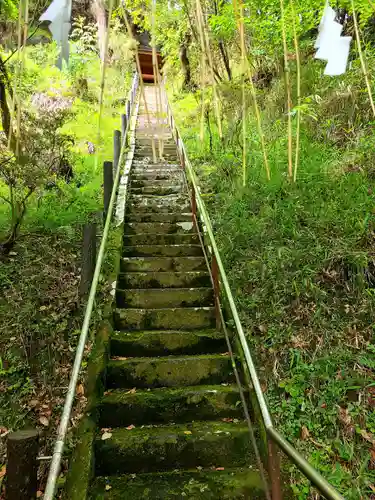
(300, 262)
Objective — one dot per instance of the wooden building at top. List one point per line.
(145, 57)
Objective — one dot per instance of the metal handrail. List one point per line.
(310, 472)
(54, 469)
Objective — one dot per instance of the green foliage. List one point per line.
(8, 10)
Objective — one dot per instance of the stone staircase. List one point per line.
(171, 407)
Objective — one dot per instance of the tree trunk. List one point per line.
(4, 85)
(98, 9)
(185, 66)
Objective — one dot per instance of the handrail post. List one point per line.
(88, 258)
(116, 149)
(274, 470)
(123, 126)
(108, 185)
(22, 465)
(216, 284)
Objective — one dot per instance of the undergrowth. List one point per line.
(300, 262)
(41, 313)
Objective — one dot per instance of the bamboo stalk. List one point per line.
(288, 92)
(206, 49)
(143, 93)
(201, 134)
(17, 73)
(240, 16)
(243, 57)
(298, 64)
(102, 82)
(362, 59)
(23, 58)
(155, 72)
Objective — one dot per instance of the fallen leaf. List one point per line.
(227, 419)
(224, 354)
(132, 391)
(33, 403)
(187, 432)
(368, 436)
(39, 494)
(130, 427)
(3, 471)
(219, 468)
(108, 487)
(44, 421)
(80, 390)
(42, 308)
(106, 435)
(344, 416)
(3, 430)
(12, 254)
(305, 434)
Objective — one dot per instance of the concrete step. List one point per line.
(162, 250)
(162, 217)
(158, 175)
(121, 407)
(156, 183)
(234, 484)
(161, 239)
(184, 318)
(157, 298)
(157, 190)
(155, 279)
(159, 227)
(167, 342)
(169, 371)
(159, 204)
(159, 264)
(204, 444)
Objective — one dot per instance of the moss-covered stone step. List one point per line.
(230, 484)
(167, 342)
(163, 205)
(157, 190)
(169, 371)
(156, 183)
(159, 227)
(144, 199)
(147, 177)
(161, 448)
(155, 279)
(177, 264)
(164, 250)
(149, 166)
(164, 297)
(162, 217)
(161, 239)
(179, 318)
(121, 407)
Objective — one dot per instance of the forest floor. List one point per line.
(300, 260)
(40, 310)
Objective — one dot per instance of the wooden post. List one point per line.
(22, 465)
(88, 258)
(215, 279)
(274, 470)
(116, 149)
(128, 110)
(123, 125)
(108, 185)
